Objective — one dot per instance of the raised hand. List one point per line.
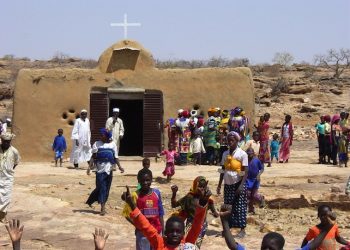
(128, 198)
(100, 238)
(15, 231)
(174, 189)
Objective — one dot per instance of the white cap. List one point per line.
(180, 111)
(83, 111)
(8, 119)
(116, 110)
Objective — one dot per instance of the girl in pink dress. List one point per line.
(170, 155)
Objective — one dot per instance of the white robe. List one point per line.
(81, 132)
(117, 129)
(8, 160)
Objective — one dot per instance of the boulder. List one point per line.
(336, 91)
(300, 89)
(300, 99)
(265, 101)
(306, 108)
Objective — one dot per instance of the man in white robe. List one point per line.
(81, 136)
(9, 159)
(116, 126)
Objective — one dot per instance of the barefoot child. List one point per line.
(188, 208)
(255, 169)
(170, 155)
(330, 242)
(149, 201)
(174, 233)
(59, 146)
(274, 146)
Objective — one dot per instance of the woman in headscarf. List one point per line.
(188, 207)
(287, 139)
(327, 139)
(234, 174)
(264, 151)
(105, 155)
(336, 132)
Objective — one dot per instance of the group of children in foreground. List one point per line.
(174, 235)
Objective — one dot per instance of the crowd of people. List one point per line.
(333, 135)
(192, 138)
(221, 139)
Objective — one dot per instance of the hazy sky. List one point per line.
(181, 29)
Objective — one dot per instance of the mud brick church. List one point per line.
(126, 77)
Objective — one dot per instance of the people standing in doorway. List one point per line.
(116, 126)
(81, 136)
(9, 159)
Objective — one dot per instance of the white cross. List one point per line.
(125, 24)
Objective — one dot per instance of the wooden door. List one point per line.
(152, 122)
(98, 114)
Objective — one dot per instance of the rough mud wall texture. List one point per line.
(211, 87)
(42, 106)
(45, 100)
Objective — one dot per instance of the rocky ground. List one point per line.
(50, 202)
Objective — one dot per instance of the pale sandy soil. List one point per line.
(50, 202)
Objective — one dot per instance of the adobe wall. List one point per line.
(42, 97)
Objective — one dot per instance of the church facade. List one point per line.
(126, 77)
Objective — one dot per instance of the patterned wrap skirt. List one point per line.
(238, 218)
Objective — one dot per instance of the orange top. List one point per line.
(329, 242)
(156, 240)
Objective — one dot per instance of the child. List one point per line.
(170, 155)
(271, 241)
(324, 213)
(255, 170)
(59, 146)
(197, 148)
(146, 163)
(174, 234)
(274, 146)
(188, 208)
(149, 201)
(254, 144)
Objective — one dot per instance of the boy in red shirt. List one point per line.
(148, 200)
(174, 229)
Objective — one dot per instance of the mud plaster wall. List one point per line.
(41, 97)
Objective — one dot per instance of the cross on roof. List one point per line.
(125, 24)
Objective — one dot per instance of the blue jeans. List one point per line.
(142, 242)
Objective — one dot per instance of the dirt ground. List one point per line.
(50, 202)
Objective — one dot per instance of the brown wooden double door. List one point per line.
(152, 120)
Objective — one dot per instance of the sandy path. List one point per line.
(50, 202)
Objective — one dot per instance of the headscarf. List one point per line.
(335, 118)
(7, 136)
(106, 133)
(327, 118)
(234, 134)
(195, 184)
